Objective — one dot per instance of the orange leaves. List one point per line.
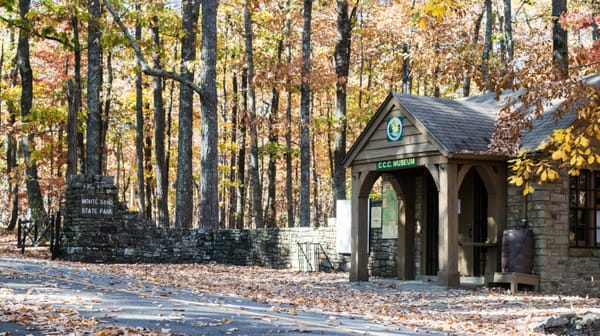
(411, 307)
(44, 317)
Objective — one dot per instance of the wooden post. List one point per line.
(406, 228)
(360, 229)
(448, 226)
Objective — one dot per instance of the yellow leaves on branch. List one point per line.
(526, 170)
(522, 169)
(432, 9)
(573, 150)
(570, 148)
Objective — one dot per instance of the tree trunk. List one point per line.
(595, 30)
(369, 82)
(72, 127)
(436, 74)
(271, 215)
(74, 147)
(508, 38)
(254, 156)
(289, 181)
(139, 127)
(11, 156)
(225, 206)
(241, 161)
(106, 113)
(474, 39)
(209, 180)
(508, 42)
(487, 45)
(289, 192)
(232, 161)
(270, 218)
(406, 78)
(94, 86)
(316, 199)
(169, 131)
(160, 165)
(34, 194)
(560, 48)
(149, 179)
(305, 119)
(78, 98)
(342, 65)
(185, 192)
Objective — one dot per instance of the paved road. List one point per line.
(128, 302)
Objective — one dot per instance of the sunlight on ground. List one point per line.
(413, 305)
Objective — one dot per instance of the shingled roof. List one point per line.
(466, 125)
(458, 125)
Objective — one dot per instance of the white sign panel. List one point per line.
(343, 225)
(375, 217)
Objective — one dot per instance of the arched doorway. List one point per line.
(472, 226)
(415, 247)
(431, 227)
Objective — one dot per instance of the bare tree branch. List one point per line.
(142, 60)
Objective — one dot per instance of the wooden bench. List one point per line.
(514, 279)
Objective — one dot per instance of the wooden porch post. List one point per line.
(360, 234)
(406, 228)
(448, 225)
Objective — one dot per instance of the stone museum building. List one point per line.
(454, 201)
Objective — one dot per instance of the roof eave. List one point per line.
(478, 156)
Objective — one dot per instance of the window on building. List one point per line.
(584, 209)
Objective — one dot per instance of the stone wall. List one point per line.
(561, 269)
(98, 228)
(382, 256)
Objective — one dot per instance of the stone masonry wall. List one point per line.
(561, 269)
(382, 256)
(110, 233)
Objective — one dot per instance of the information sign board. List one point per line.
(97, 206)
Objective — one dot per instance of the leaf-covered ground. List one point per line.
(414, 305)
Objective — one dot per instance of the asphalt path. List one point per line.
(127, 302)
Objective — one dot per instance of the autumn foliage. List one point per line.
(426, 47)
(577, 96)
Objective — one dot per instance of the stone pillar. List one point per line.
(90, 209)
(448, 226)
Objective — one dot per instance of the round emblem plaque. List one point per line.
(394, 128)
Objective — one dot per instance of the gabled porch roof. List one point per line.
(462, 126)
(451, 126)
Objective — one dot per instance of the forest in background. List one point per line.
(237, 114)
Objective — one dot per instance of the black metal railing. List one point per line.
(310, 257)
(43, 231)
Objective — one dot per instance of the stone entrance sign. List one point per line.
(97, 206)
(99, 228)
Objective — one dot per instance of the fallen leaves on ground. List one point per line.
(482, 311)
(410, 305)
